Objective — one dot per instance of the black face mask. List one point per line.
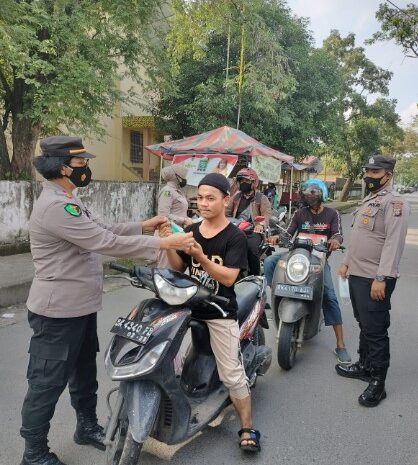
(245, 187)
(81, 176)
(182, 182)
(373, 184)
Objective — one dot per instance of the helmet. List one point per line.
(314, 192)
(248, 174)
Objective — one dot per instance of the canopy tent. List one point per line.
(223, 140)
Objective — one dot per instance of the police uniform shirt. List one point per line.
(65, 242)
(378, 235)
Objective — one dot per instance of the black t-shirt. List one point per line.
(227, 248)
(327, 223)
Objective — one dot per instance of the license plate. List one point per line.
(129, 329)
(290, 290)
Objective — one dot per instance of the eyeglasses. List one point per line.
(311, 191)
(85, 163)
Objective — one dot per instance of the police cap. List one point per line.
(64, 146)
(379, 161)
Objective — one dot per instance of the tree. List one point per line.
(287, 89)
(399, 24)
(361, 128)
(59, 62)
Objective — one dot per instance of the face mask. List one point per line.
(373, 184)
(245, 187)
(81, 176)
(182, 182)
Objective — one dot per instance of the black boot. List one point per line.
(37, 453)
(88, 431)
(354, 370)
(357, 370)
(375, 391)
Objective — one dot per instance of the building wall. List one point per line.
(112, 201)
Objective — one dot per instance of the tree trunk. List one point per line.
(25, 135)
(346, 189)
(5, 165)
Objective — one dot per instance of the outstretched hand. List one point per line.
(154, 223)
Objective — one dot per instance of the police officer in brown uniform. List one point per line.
(376, 245)
(66, 294)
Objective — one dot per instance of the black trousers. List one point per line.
(62, 351)
(254, 241)
(373, 318)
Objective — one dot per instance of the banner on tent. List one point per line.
(267, 168)
(200, 165)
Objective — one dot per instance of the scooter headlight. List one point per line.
(297, 268)
(171, 294)
(143, 366)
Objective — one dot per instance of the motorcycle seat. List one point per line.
(247, 295)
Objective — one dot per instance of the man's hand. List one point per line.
(378, 290)
(258, 228)
(179, 241)
(333, 245)
(153, 223)
(165, 230)
(343, 271)
(196, 252)
(273, 240)
(187, 221)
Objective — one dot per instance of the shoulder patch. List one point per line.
(166, 194)
(397, 207)
(72, 209)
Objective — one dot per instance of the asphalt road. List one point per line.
(307, 416)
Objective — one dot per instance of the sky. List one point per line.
(358, 16)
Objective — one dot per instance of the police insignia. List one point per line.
(72, 209)
(365, 220)
(397, 208)
(167, 194)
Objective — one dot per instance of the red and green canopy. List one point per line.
(224, 140)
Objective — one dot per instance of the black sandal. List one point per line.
(253, 442)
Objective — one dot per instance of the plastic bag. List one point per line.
(343, 289)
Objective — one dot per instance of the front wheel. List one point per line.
(287, 347)
(124, 450)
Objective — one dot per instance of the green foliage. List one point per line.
(362, 128)
(399, 24)
(288, 86)
(61, 60)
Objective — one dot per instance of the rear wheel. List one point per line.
(287, 347)
(124, 450)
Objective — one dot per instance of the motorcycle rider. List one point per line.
(248, 203)
(215, 260)
(315, 218)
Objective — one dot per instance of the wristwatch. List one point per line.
(381, 279)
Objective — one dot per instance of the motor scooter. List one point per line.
(152, 400)
(297, 292)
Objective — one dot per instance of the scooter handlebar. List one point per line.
(121, 268)
(219, 299)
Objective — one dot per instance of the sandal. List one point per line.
(253, 442)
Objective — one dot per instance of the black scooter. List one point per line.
(151, 399)
(296, 295)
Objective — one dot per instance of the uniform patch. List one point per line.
(365, 221)
(166, 194)
(397, 208)
(72, 209)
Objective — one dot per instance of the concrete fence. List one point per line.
(112, 201)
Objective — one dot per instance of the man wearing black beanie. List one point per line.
(215, 260)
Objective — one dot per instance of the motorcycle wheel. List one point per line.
(124, 450)
(259, 338)
(287, 347)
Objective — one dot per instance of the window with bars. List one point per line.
(136, 147)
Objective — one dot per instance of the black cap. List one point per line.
(64, 146)
(217, 180)
(379, 161)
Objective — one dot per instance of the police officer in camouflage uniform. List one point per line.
(66, 294)
(376, 245)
